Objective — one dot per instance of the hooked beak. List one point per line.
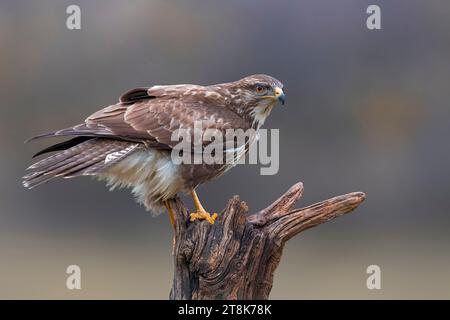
(279, 95)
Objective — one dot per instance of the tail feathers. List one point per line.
(85, 158)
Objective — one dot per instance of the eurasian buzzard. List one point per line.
(129, 144)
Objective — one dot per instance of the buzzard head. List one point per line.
(256, 95)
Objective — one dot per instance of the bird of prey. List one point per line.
(129, 144)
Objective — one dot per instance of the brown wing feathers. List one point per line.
(144, 116)
(135, 95)
(82, 159)
(63, 145)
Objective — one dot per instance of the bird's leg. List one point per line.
(172, 221)
(171, 213)
(201, 213)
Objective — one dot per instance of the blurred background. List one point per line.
(366, 111)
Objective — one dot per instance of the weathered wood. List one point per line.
(236, 257)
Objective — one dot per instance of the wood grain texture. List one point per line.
(236, 257)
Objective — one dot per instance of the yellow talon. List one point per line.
(203, 215)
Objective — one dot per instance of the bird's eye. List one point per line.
(260, 89)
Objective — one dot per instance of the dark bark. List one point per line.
(236, 257)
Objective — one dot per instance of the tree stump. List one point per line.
(236, 257)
